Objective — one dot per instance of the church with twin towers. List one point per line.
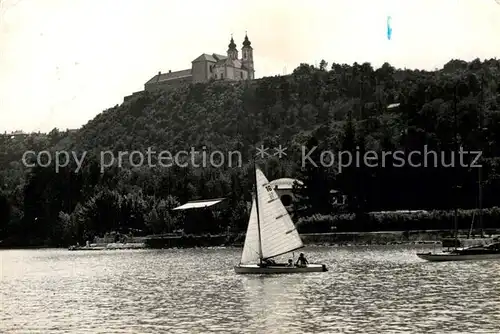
(208, 67)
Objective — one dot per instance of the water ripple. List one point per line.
(367, 290)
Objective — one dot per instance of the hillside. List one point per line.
(335, 108)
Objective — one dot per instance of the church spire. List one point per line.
(246, 42)
(232, 52)
(247, 60)
(231, 44)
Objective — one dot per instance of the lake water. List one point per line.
(384, 289)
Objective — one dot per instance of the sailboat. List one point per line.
(270, 233)
(488, 250)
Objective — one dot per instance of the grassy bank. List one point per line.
(399, 221)
(331, 238)
(342, 238)
(188, 241)
(381, 238)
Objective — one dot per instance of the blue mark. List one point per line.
(389, 29)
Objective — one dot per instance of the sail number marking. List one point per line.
(271, 193)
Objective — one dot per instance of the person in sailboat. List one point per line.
(268, 262)
(290, 262)
(301, 261)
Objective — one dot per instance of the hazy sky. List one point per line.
(64, 61)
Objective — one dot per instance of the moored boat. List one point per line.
(481, 249)
(488, 252)
(110, 246)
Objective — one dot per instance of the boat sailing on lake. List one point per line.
(271, 233)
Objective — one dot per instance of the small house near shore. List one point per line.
(200, 204)
(202, 215)
(284, 189)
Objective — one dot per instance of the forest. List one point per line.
(336, 108)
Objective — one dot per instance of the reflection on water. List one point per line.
(367, 290)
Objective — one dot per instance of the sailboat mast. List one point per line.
(480, 170)
(481, 202)
(257, 209)
(456, 170)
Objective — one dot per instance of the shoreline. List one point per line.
(381, 238)
(238, 246)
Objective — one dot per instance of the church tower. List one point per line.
(247, 60)
(232, 52)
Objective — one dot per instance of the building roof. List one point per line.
(199, 204)
(284, 183)
(161, 77)
(287, 184)
(393, 105)
(218, 56)
(214, 57)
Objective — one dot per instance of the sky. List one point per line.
(62, 62)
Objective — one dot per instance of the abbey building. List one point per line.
(210, 67)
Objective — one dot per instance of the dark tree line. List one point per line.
(337, 108)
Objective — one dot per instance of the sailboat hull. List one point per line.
(278, 269)
(441, 257)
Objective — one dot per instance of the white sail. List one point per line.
(251, 248)
(278, 233)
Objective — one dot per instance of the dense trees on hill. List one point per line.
(333, 109)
